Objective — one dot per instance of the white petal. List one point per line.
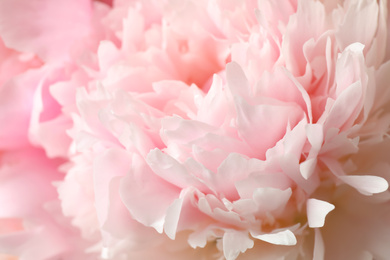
(317, 211)
(235, 242)
(307, 168)
(315, 135)
(285, 237)
(366, 184)
(319, 247)
(270, 199)
(172, 218)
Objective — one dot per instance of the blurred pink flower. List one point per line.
(194, 129)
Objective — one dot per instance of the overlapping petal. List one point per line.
(194, 129)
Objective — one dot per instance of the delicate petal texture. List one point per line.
(194, 129)
(144, 196)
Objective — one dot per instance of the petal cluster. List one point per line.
(194, 129)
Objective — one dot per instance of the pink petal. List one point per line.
(52, 137)
(44, 27)
(26, 178)
(16, 105)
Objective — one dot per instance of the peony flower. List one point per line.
(194, 129)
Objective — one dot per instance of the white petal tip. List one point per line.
(317, 211)
(286, 238)
(366, 184)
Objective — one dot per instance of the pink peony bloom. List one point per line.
(194, 129)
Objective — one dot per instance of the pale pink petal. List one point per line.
(172, 171)
(45, 28)
(315, 136)
(262, 197)
(234, 243)
(275, 180)
(110, 164)
(260, 128)
(299, 31)
(146, 195)
(376, 53)
(366, 184)
(77, 197)
(108, 54)
(307, 168)
(291, 168)
(346, 108)
(353, 29)
(194, 129)
(213, 108)
(199, 238)
(172, 218)
(234, 168)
